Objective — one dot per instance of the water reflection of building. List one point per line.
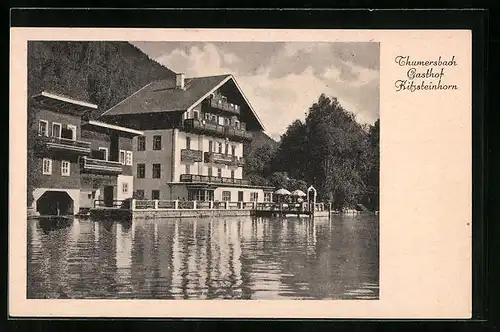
(123, 254)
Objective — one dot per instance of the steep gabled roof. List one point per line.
(163, 96)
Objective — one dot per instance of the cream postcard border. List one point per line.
(425, 184)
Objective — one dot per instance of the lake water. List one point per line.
(234, 258)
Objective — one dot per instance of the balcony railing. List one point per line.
(214, 129)
(213, 179)
(65, 144)
(223, 105)
(236, 133)
(191, 155)
(225, 159)
(101, 166)
(218, 158)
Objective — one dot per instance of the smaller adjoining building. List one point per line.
(77, 161)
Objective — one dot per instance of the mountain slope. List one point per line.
(100, 72)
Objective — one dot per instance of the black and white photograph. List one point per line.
(203, 170)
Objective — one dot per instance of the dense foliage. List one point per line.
(100, 72)
(329, 150)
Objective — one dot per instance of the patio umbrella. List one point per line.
(298, 193)
(282, 191)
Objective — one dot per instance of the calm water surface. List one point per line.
(236, 258)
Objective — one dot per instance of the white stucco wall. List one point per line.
(234, 193)
(129, 180)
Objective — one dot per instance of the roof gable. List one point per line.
(163, 96)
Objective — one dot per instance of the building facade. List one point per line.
(192, 147)
(77, 161)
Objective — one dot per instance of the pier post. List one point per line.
(176, 204)
(156, 204)
(132, 204)
(194, 205)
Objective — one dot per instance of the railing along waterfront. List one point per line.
(140, 204)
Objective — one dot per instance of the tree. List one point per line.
(331, 151)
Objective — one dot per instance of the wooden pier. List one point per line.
(173, 209)
(292, 209)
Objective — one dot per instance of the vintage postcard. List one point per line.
(240, 173)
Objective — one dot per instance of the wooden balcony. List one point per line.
(207, 128)
(91, 165)
(64, 144)
(191, 156)
(223, 105)
(237, 133)
(224, 159)
(214, 129)
(213, 179)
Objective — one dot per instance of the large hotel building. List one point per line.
(192, 147)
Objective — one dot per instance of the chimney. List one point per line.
(179, 81)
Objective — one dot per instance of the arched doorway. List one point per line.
(55, 203)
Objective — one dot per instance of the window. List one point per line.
(233, 150)
(188, 169)
(219, 172)
(220, 147)
(56, 129)
(210, 143)
(104, 153)
(267, 197)
(65, 168)
(209, 171)
(47, 166)
(188, 143)
(125, 188)
(128, 158)
(122, 157)
(139, 194)
(141, 171)
(254, 197)
(226, 122)
(43, 128)
(237, 124)
(226, 196)
(207, 116)
(232, 174)
(155, 194)
(196, 115)
(227, 149)
(141, 143)
(156, 171)
(157, 142)
(72, 128)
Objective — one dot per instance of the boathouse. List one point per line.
(77, 160)
(194, 133)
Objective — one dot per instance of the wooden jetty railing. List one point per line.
(263, 207)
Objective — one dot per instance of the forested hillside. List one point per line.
(100, 72)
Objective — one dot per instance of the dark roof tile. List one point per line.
(163, 96)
